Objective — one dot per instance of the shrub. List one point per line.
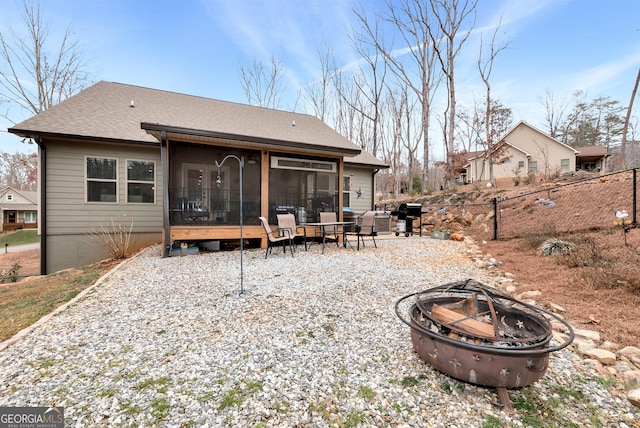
(555, 247)
(114, 236)
(11, 275)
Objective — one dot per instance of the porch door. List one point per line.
(11, 216)
(202, 190)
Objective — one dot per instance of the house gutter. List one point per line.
(373, 188)
(269, 142)
(165, 194)
(43, 205)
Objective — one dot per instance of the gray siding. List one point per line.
(70, 219)
(361, 179)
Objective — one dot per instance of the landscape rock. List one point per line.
(583, 345)
(631, 380)
(557, 308)
(588, 334)
(631, 352)
(602, 355)
(529, 295)
(634, 397)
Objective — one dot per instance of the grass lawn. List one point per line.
(20, 237)
(25, 302)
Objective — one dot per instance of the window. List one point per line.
(564, 164)
(303, 164)
(101, 180)
(30, 216)
(520, 164)
(9, 197)
(141, 181)
(533, 166)
(346, 191)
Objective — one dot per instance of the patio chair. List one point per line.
(366, 227)
(331, 233)
(283, 236)
(288, 221)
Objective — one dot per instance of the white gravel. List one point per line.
(313, 342)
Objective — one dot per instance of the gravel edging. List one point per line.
(313, 342)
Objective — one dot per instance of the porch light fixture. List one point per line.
(218, 183)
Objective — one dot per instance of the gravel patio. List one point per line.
(313, 342)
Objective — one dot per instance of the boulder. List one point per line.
(634, 397)
(631, 380)
(602, 355)
(529, 295)
(588, 334)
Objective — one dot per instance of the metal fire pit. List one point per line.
(480, 336)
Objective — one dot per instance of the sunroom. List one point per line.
(202, 177)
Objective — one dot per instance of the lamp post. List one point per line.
(219, 182)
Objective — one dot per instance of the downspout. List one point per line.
(43, 205)
(373, 188)
(165, 194)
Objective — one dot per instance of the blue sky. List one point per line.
(197, 46)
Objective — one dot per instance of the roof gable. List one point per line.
(20, 196)
(522, 123)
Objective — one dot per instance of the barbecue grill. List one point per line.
(481, 336)
(407, 213)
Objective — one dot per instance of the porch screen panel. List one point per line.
(202, 194)
(304, 187)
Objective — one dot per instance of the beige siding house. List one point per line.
(523, 150)
(117, 154)
(19, 209)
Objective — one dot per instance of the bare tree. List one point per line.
(485, 67)
(319, 93)
(263, 87)
(33, 76)
(19, 170)
(370, 81)
(623, 147)
(555, 112)
(411, 19)
(450, 15)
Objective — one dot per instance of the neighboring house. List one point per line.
(592, 158)
(19, 209)
(147, 158)
(523, 150)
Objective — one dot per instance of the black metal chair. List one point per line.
(366, 227)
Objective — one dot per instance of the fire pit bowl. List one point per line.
(475, 334)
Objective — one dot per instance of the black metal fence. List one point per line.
(605, 201)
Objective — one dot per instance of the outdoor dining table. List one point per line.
(323, 228)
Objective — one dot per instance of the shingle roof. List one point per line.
(366, 159)
(598, 150)
(114, 112)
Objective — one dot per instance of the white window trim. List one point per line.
(127, 181)
(102, 180)
(347, 190)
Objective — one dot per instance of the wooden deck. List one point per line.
(8, 227)
(215, 233)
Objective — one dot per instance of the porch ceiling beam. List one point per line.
(267, 142)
